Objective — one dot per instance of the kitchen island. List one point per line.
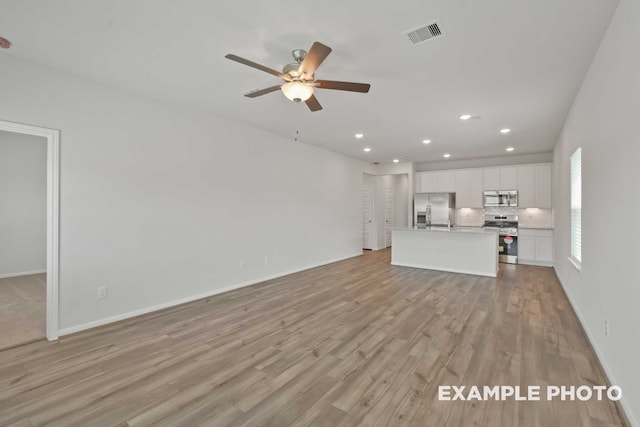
(469, 250)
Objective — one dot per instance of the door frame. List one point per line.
(53, 221)
(393, 213)
(372, 208)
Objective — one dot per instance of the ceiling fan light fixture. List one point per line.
(297, 91)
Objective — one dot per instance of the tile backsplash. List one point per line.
(527, 218)
(535, 218)
(467, 217)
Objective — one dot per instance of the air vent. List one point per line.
(424, 33)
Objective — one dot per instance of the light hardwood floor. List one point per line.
(358, 342)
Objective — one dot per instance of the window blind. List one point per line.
(576, 206)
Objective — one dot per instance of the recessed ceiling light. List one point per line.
(359, 135)
(465, 117)
(395, 160)
(426, 141)
(509, 148)
(446, 155)
(367, 149)
(505, 130)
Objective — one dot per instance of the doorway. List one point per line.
(29, 195)
(385, 201)
(389, 209)
(368, 230)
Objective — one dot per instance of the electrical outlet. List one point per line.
(101, 292)
(241, 265)
(606, 327)
(337, 245)
(266, 259)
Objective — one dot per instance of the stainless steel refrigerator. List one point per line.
(434, 209)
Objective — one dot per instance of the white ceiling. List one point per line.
(515, 63)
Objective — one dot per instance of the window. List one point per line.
(576, 208)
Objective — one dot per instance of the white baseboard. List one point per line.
(623, 402)
(123, 316)
(24, 273)
(538, 263)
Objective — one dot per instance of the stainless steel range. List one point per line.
(507, 228)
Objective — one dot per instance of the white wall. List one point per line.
(401, 202)
(162, 203)
(604, 121)
(23, 203)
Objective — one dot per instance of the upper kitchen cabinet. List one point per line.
(491, 179)
(469, 188)
(533, 183)
(534, 186)
(508, 178)
(543, 186)
(500, 178)
(446, 182)
(436, 182)
(526, 187)
(427, 182)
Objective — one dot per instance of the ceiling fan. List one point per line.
(299, 77)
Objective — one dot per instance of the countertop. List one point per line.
(535, 228)
(454, 229)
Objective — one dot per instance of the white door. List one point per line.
(388, 215)
(367, 216)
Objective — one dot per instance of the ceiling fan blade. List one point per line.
(258, 66)
(261, 92)
(352, 87)
(314, 58)
(313, 103)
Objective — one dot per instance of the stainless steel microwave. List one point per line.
(495, 198)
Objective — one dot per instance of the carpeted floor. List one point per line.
(22, 309)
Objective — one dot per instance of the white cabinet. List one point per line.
(500, 178)
(446, 182)
(533, 183)
(534, 186)
(476, 196)
(491, 179)
(508, 178)
(469, 188)
(526, 248)
(544, 249)
(535, 246)
(526, 187)
(436, 182)
(428, 182)
(543, 186)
